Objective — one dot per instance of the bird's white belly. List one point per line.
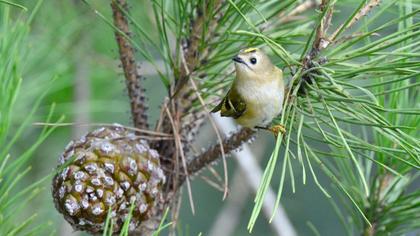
(264, 102)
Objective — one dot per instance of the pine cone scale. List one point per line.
(110, 170)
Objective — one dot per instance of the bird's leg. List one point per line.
(275, 129)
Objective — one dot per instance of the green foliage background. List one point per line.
(44, 48)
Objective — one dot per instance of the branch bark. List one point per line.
(320, 42)
(129, 65)
(213, 153)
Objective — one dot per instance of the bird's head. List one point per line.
(252, 61)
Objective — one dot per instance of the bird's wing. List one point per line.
(232, 105)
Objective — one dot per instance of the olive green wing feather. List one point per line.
(232, 105)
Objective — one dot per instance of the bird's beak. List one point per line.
(238, 60)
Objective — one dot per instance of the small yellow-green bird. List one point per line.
(256, 95)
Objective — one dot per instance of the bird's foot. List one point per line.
(277, 129)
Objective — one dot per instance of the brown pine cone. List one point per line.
(108, 169)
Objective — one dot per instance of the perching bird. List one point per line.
(256, 95)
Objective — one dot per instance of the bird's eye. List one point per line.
(253, 60)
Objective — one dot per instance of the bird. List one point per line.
(257, 92)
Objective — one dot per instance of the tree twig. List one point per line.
(219, 137)
(320, 42)
(301, 8)
(129, 65)
(295, 14)
(321, 39)
(213, 153)
(362, 12)
(178, 144)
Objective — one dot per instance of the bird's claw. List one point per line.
(277, 129)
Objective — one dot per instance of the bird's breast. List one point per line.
(264, 101)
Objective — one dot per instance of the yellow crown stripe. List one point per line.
(250, 50)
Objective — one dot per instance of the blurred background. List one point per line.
(71, 55)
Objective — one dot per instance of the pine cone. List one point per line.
(108, 169)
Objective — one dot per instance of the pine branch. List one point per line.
(362, 12)
(183, 94)
(214, 152)
(321, 31)
(191, 45)
(329, 95)
(128, 61)
(194, 57)
(319, 42)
